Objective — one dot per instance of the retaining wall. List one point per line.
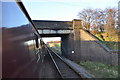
(92, 49)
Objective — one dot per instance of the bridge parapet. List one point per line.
(53, 25)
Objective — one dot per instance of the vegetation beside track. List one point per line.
(100, 70)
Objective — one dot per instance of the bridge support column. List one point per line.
(67, 42)
(70, 44)
(77, 50)
(64, 48)
(77, 46)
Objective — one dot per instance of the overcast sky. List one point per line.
(65, 10)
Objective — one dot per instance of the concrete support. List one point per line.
(70, 44)
(77, 50)
(67, 42)
(64, 45)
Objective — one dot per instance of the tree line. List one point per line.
(100, 21)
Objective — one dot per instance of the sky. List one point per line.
(63, 10)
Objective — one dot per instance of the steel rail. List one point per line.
(62, 61)
(54, 62)
(65, 62)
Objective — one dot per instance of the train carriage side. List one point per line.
(19, 46)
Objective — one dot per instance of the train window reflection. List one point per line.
(30, 42)
(12, 16)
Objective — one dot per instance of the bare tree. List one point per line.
(92, 19)
(110, 20)
(98, 20)
(86, 16)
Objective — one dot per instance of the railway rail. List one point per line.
(64, 70)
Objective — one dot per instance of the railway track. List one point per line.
(64, 70)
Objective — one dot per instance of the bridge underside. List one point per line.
(66, 42)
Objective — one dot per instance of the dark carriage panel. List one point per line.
(18, 43)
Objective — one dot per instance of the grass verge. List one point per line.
(100, 70)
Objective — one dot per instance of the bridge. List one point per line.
(67, 30)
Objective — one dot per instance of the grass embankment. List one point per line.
(100, 70)
(55, 50)
(111, 42)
